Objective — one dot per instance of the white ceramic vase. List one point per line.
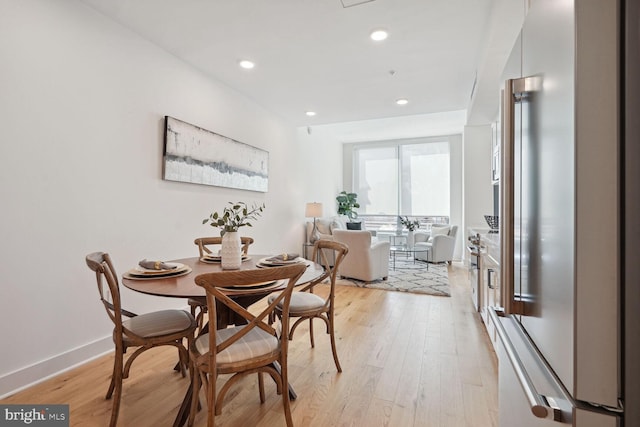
(410, 239)
(231, 252)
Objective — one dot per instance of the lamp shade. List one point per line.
(313, 210)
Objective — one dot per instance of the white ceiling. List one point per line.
(317, 54)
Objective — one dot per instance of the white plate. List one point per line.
(255, 287)
(138, 270)
(266, 262)
(217, 259)
(168, 274)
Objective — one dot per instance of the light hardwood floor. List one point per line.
(408, 360)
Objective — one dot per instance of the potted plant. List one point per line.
(346, 204)
(232, 218)
(411, 226)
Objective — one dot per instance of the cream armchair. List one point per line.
(441, 243)
(365, 261)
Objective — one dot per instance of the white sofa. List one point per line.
(441, 242)
(326, 226)
(367, 259)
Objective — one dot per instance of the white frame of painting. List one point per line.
(196, 155)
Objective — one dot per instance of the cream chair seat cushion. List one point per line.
(158, 323)
(255, 344)
(302, 301)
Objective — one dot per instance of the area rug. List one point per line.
(409, 277)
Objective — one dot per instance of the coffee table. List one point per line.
(406, 250)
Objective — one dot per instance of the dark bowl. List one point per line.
(492, 221)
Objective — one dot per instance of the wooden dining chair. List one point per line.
(145, 331)
(305, 305)
(255, 347)
(198, 305)
(204, 244)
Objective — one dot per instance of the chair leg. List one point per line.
(261, 387)
(313, 344)
(211, 401)
(116, 386)
(181, 362)
(113, 376)
(333, 345)
(195, 391)
(285, 396)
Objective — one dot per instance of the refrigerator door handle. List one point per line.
(506, 198)
(541, 406)
(490, 283)
(515, 91)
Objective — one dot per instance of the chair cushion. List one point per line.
(423, 244)
(338, 223)
(440, 230)
(324, 227)
(302, 301)
(159, 323)
(256, 343)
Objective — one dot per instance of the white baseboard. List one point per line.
(28, 376)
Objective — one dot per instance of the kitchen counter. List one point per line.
(486, 280)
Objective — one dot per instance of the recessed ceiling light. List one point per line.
(246, 64)
(310, 113)
(379, 35)
(402, 101)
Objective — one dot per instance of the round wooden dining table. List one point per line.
(184, 286)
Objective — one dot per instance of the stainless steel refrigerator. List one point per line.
(568, 329)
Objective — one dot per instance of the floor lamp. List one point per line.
(313, 210)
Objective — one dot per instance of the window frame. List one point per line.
(350, 168)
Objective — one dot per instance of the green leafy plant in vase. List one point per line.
(347, 203)
(411, 226)
(233, 217)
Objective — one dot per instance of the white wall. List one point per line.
(456, 161)
(401, 127)
(82, 101)
(321, 161)
(478, 190)
(320, 173)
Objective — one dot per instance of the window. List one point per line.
(425, 179)
(408, 178)
(376, 180)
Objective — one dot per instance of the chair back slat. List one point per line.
(152, 330)
(320, 249)
(304, 307)
(211, 282)
(204, 244)
(101, 264)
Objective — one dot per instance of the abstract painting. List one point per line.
(196, 155)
